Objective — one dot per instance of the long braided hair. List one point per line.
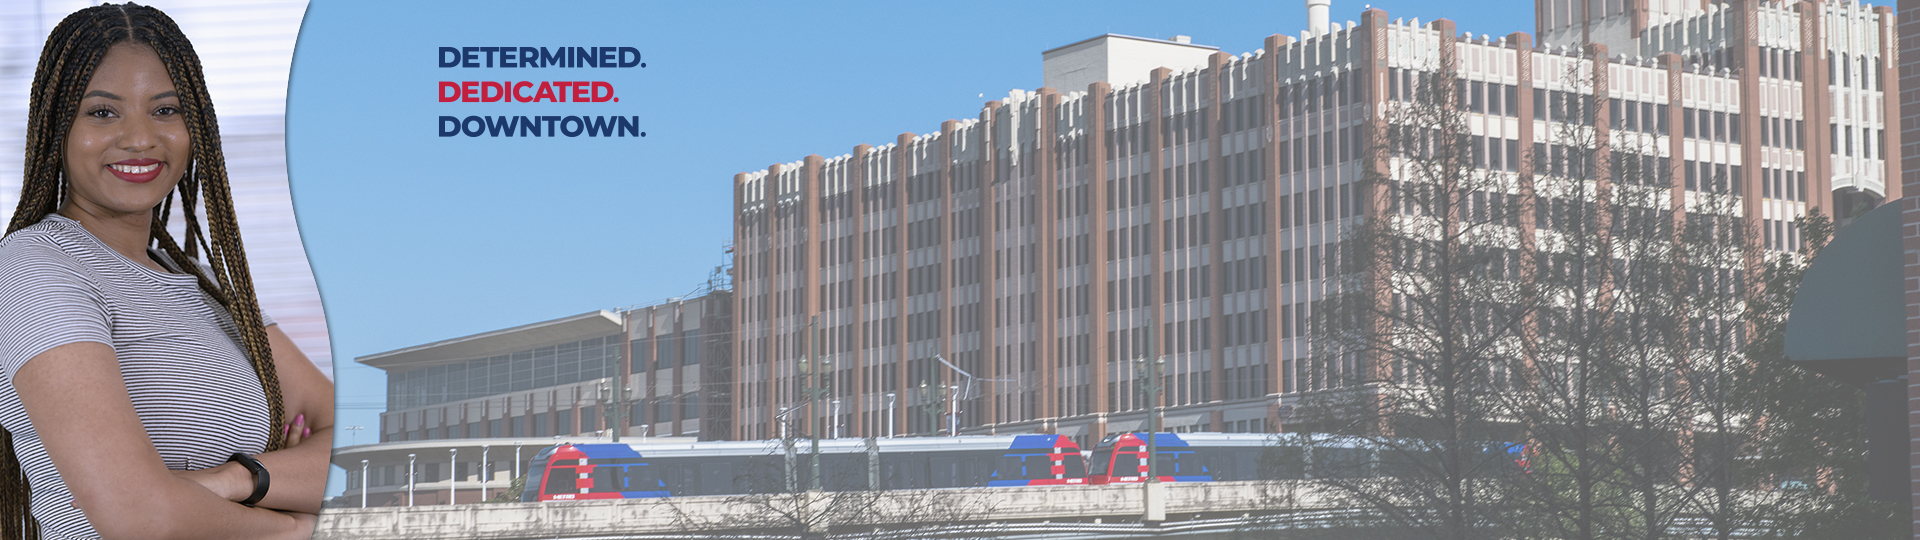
(74, 49)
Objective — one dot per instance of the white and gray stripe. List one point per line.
(190, 381)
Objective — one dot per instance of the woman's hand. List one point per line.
(296, 431)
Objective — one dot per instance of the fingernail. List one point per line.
(306, 432)
(300, 420)
(287, 429)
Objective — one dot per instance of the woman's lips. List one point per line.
(138, 171)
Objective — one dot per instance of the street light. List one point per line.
(409, 480)
(363, 483)
(453, 475)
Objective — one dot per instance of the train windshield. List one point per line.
(562, 480)
(1100, 460)
(530, 491)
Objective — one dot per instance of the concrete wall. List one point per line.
(748, 513)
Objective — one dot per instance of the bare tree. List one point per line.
(1427, 317)
(1589, 307)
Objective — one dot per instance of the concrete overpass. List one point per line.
(1076, 511)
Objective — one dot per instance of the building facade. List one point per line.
(523, 388)
(1009, 272)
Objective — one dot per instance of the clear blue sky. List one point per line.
(416, 238)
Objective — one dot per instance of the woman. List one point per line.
(146, 395)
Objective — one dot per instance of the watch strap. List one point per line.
(260, 478)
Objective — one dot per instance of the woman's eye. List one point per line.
(100, 113)
(166, 110)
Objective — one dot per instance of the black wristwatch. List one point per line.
(260, 477)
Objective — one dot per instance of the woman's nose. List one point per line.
(140, 133)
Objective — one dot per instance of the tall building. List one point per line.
(1007, 272)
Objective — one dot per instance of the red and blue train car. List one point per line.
(1039, 460)
(617, 471)
(594, 471)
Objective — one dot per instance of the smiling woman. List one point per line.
(145, 395)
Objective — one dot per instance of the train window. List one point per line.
(1009, 467)
(1126, 464)
(716, 478)
(1075, 466)
(609, 479)
(1164, 464)
(1039, 467)
(561, 480)
(946, 473)
(1283, 463)
(642, 478)
(688, 483)
(1100, 462)
(1339, 462)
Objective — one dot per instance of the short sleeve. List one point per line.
(46, 300)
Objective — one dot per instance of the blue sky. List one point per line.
(416, 238)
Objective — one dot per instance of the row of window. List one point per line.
(1783, 184)
(1320, 149)
(1873, 143)
(1717, 126)
(1780, 235)
(582, 419)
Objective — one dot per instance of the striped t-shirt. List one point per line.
(179, 353)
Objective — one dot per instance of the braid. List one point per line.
(73, 50)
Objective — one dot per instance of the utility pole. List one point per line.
(1156, 509)
(959, 391)
(809, 368)
(453, 477)
(930, 407)
(617, 414)
(410, 480)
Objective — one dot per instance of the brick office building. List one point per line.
(1029, 246)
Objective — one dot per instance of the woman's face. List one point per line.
(129, 145)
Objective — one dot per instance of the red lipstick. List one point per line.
(138, 171)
